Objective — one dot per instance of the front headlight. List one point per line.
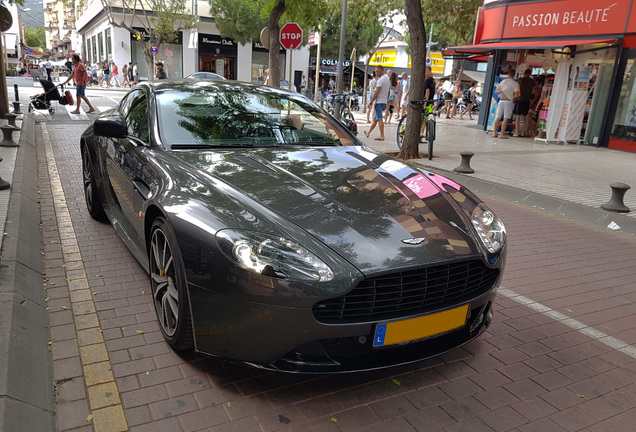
(491, 230)
(273, 256)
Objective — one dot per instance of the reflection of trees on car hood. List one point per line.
(351, 203)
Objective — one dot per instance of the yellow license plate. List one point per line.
(418, 328)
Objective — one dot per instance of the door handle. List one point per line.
(142, 188)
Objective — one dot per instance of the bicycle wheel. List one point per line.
(430, 132)
(400, 131)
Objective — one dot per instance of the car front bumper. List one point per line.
(290, 339)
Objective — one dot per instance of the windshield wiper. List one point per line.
(210, 146)
(312, 143)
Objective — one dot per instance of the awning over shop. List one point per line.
(516, 45)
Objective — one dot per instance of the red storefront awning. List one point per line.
(527, 44)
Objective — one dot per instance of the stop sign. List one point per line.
(291, 36)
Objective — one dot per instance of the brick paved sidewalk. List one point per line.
(565, 363)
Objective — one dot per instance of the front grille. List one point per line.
(408, 293)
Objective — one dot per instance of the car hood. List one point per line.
(374, 211)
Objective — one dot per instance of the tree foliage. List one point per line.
(162, 20)
(35, 37)
(364, 27)
(454, 20)
(243, 20)
(417, 30)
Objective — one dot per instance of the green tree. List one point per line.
(417, 32)
(454, 20)
(161, 20)
(242, 20)
(364, 27)
(35, 37)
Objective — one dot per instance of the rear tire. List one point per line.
(91, 195)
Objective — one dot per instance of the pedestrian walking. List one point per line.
(124, 71)
(161, 74)
(380, 98)
(114, 75)
(508, 90)
(106, 73)
(135, 74)
(81, 78)
(522, 104)
(372, 86)
(470, 94)
(406, 89)
(48, 68)
(394, 93)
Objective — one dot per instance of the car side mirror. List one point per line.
(112, 126)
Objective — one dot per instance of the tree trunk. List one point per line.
(415, 23)
(4, 98)
(274, 43)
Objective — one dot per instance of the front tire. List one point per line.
(91, 195)
(168, 282)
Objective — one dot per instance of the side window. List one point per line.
(137, 117)
(127, 101)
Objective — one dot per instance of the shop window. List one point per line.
(624, 127)
(219, 64)
(94, 59)
(109, 48)
(260, 63)
(171, 55)
(100, 42)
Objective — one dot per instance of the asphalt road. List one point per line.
(559, 355)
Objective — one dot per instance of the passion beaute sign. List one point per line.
(565, 18)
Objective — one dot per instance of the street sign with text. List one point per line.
(291, 36)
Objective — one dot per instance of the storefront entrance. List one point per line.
(217, 54)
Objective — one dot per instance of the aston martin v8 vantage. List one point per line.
(274, 238)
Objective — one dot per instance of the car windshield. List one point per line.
(229, 115)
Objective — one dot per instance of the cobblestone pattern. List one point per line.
(527, 373)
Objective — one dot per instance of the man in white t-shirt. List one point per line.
(508, 90)
(380, 97)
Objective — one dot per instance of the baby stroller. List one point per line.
(43, 101)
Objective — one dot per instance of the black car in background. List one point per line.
(274, 238)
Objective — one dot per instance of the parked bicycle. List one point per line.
(345, 112)
(428, 124)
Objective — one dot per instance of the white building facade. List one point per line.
(201, 50)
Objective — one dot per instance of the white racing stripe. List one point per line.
(593, 333)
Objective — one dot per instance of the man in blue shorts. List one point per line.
(380, 97)
(81, 78)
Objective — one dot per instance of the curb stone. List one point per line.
(26, 378)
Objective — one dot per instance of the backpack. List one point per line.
(467, 95)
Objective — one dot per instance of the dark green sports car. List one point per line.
(274, 238)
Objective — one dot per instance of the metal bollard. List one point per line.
(15, 92)
(16, 107)
(11, 119)
(464, 167)
(4, 184)
(615, 204)
(7, 141)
